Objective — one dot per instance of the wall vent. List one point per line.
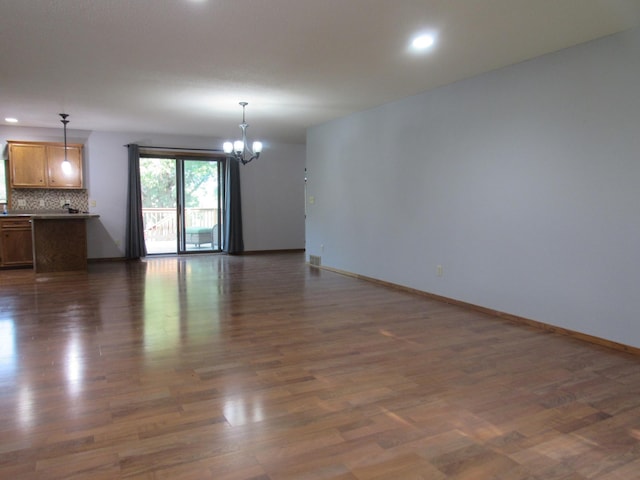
(314, 260)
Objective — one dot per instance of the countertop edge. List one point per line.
(51, 216)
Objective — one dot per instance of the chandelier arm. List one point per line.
(247, 148)
(243, 127)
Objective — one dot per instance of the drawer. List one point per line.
(15, 223)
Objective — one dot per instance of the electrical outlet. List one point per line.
(92, 203)
(439, 271)
(22, 203)
(41, 203)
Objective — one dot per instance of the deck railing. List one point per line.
(160, 223)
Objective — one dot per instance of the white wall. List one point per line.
(272, 187)
(523, 183)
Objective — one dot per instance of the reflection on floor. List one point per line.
(164, 247)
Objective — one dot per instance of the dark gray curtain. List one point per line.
(233, 242)
(135, 246)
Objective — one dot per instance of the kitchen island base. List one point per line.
(59, 245)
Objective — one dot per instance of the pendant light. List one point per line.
(66, 165)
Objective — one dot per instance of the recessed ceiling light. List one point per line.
(423, 42)
(11, 120)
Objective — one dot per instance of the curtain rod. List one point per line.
(176, 148)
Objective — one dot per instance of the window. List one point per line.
(3, 182)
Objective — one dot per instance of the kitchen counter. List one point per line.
(59, 240)
(63, 216)
(51, 215)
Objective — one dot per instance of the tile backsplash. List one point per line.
(48, 199)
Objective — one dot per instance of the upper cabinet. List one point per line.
(59, 176)
(28, 165)
(41, 165)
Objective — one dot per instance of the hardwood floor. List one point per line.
(259, 367)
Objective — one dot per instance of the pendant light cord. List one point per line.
(64, 122)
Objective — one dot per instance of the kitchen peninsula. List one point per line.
(59, 240)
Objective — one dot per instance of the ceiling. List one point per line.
(182, 66)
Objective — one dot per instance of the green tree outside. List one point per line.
(158, 179)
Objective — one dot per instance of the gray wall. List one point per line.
(523, 183)
(272, 186)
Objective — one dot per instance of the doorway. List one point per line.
(181, 203)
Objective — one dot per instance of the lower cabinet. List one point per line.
(16, 247)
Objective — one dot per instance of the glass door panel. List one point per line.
(201, 199)
(159, 204)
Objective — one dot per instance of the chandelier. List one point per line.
(240, 149)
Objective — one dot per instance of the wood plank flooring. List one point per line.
(259, 367)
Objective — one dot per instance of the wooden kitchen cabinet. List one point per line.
(16, 242)
(40, 165)
(28, 165)
(58, 177)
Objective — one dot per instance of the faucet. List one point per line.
(68, 208)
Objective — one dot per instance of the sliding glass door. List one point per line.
(181, 204)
